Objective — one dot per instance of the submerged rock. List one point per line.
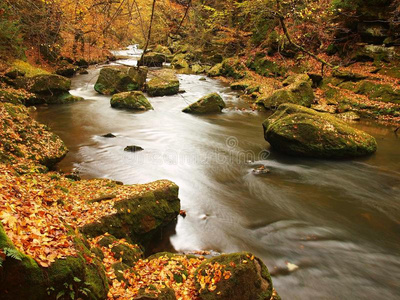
(131, 100)
(109, 135)
(212, 103)
(297, 91)
(300, 131)
(133, 149)
(113, 80)
(164, 83)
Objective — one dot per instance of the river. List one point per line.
(325, 229)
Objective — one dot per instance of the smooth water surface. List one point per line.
(338, 221)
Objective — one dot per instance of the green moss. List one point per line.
(212, 103)
(164, 84)
(381, 92)
(138, 219)
(299, 91)
(264, 67)
(300, 131)
(27, 68)
(114, 80)
(131, 100)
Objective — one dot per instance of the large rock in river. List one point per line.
(164, 83)
(131, 100)
(113, 80)
(212, 103)
(298, 91)
(300, 131)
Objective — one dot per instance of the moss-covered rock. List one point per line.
(215, 70)
(22, 278)
(162, 49)
(153, 59)
(139, 218)
(48, 83)
(164, 83)
(66, 69)
(113, 80)
(299, 91)
(212, 103)
(300, 131)
(131, 100)
(381, 92)
(232, 67)
(247, 278)
(265, 67)
(348, 76)
(26, 138)
(179, 62)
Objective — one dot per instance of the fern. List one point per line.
(12, 253)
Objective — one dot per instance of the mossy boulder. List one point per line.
(113, 80)
(179, 62)
(380, 92)
(131, 100)
(26, 138)
(139, 218)
(249, 278)
(162, 49)
(215, 70)
(348, 76)
(66, 69)
(240, 86)
(232, 67)
(22, 278)
(265, 67)
(198, 69)
(299, 91)
(164, 83)
(212, 103)
(300, 131)
(153, 59)
(48, 83)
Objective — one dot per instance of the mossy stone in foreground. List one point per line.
(300, 131)
(139, 218)
(212, 103)
(48, 84)
(23, 278)
(164, 83)
(298, 91)
(131, 100)
(249, 280)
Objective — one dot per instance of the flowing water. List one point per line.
(338, 221)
